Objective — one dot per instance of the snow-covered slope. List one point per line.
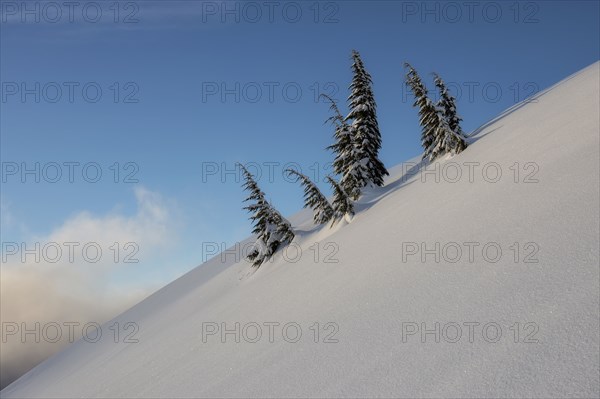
(374, 298)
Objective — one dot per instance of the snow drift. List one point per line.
(484, 283)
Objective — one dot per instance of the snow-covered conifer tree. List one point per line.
(426, 107)
(447, 105)
(342, 203)
(314, 199)
(365, 129)
(347, 162)
(272, 230)
(436, 136)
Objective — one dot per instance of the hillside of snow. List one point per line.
(514, 293)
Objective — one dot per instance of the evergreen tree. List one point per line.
(436, 136)
(342, 203)
(447, 105)
(366, 168)
(346, 163)
(281, 233)
(314, 199)
(426, 108)
(271, 229)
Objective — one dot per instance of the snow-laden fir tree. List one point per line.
(426, 107)
(447, 105)
(342, 203)
(271, 229)
(364, 127)
(347, 162)
(436, 136)
(314, 199)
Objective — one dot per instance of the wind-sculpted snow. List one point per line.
(476, 276)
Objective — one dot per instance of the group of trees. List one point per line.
(356, 157)
(440, 125)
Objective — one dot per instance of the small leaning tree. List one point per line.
(447, 105)
(436, 136)
(346, 163)
(271, 229)
(342, 203)
(426, 107)
(314, 199)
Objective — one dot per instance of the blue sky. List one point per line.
(188, 86)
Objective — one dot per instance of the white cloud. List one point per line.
(72, 289)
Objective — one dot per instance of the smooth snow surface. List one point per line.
(371, 293)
